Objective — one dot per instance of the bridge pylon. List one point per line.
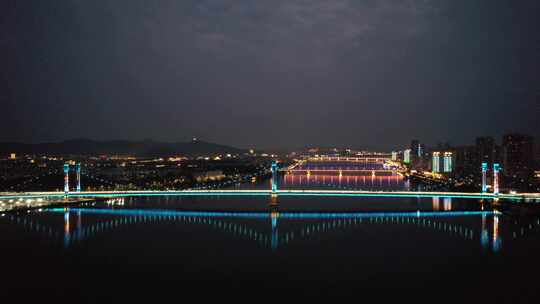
(484, 177)
(496, 169)
(66, 178)
(274, 177)
(78, 168)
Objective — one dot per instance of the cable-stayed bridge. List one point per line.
(9, 201)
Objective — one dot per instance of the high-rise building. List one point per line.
(417, 156)
(407, 156)
(394, 155)
(448, 163)
(518, 155)
(486, 150)
(442, 162)
(415, 145)
(435, 162)
(417, 149)
(466, 161)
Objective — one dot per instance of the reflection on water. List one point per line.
(484, 238)
(67, 231)
(446, 203)
(251, 224)
(496, 241)
(310, 238)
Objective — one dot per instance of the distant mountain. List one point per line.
(119, 147)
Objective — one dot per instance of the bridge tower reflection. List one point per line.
(274, 215)
(79, 220)
(496, 240)
(484, 238)
(67, 232)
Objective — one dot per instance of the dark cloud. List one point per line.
(269, 73)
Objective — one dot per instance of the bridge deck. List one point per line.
(13, 201)
(292, 192)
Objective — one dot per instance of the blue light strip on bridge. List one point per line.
(266, 215)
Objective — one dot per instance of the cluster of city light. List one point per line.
(21, 202)
(115, 202)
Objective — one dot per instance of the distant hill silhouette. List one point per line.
(119, 147)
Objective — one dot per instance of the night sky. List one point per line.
(277, 73)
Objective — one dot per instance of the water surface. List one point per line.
(258, 244)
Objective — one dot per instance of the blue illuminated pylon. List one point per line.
(66, 178)
(496, 168)
(78, 167)
(274, 177)
(484, 177)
